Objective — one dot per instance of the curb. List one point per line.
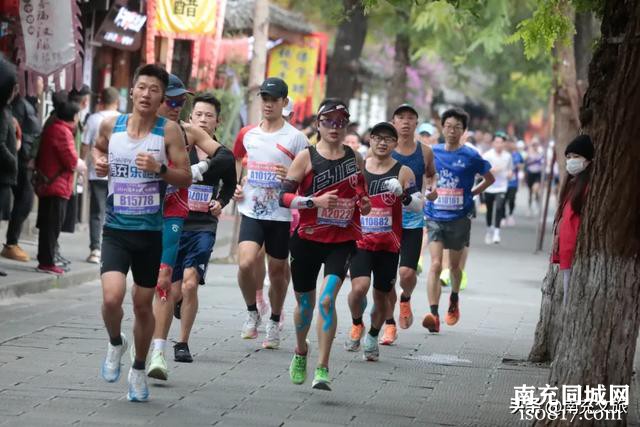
(48, 282)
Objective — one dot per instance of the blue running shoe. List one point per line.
(138, 388)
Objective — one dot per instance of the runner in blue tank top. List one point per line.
(134, 150)
(419, 158)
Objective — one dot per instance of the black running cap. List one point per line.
(384, 126)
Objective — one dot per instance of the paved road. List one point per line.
(52, 344)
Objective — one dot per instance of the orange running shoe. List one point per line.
(453, 314)
(431, 322)
(353, 341)
(390, 335)
(406, 316)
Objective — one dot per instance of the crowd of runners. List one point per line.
(361, 213)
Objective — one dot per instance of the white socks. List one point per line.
(159, 344)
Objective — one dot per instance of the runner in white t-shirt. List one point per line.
(494, 196)
(109, 99)
(270, 148)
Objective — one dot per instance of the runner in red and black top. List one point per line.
(331, 197)
(391, 186)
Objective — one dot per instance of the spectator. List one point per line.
(25, 112)
(54, 168)
(8, 143)
(108, 107)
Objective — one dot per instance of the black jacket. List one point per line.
(8, 143)
(27, 116)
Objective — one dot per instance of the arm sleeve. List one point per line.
(223, 160)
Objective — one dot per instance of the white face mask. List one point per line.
(576, 165)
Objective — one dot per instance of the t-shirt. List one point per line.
(502, 165)
(456, 175)
(517, 160)
(90, 134)
(264, 151)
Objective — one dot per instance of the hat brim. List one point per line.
(177, 92)
(274, 94)
(406, 108)
(384, 127)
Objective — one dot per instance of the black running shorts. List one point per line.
(139, 250)
(274, 235)
(308, 256)
(410, 247)
(383, 265)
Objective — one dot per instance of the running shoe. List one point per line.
(463, 282)
(111, 366)
(353, 341)
(263, 306)
(250, 327)
(94, 257)
(321, 379)
(453, 313)
(496, 236)
(405, 319)
(298, 367)
(511, 221)
(181, 353)
(445, 277)
(176, 309)
(51, 269)
(390, 335)
(158, 366)
(371, 350)
(488, 237)
(431, 322)
(138, 388)
(420, 265)
(272, 340)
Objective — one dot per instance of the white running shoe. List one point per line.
(111, 366)
(263, 307)
(511, 221)
(496, 236)
(488, 237)
(250, 327)
(138, 388)
(272, 339)
(371, 349)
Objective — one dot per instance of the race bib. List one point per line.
(262, 174)
(339, 216)
(199, 197)
(449, 199)
(138, 198)
(379, 220)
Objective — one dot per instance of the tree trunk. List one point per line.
(583, 43)
(343, 66)
(600, 330)
(565, 128)
(398, 88)
(550, 323)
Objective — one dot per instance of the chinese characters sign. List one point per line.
(296, 65)
(122, 28)
(190, 18)
(47, 28)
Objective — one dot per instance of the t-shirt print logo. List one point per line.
(459, 164)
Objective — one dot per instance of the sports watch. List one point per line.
(310, 203)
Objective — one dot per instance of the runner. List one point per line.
(331, 197)
(512, 190)
(494, 196)
(270, 149)
(391, 186)
(206, 201)
(533, 164)
(176, 206)
(133, 149)
(448, 222)
(419, 158)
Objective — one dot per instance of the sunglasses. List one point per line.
(174, 103)
(334, 124)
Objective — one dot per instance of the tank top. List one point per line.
(339, 224)
(134, 200)
(382, 228)
(415, 162)
(176, 199)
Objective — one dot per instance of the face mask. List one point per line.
(575, 166)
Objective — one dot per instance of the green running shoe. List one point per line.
(445, 277)
(463, 282)
(298, 367)
(321, 379)
(158, 366)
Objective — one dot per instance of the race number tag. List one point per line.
(379, 220)
(138, 198)
(339, 216)
(199, 197)
(262, 174)
(449, 199)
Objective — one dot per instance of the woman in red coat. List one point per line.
(56, 161)
(579, 154)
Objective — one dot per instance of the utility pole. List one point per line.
(257, 70)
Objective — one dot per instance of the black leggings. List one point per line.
(496, 200)
(511, 199)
